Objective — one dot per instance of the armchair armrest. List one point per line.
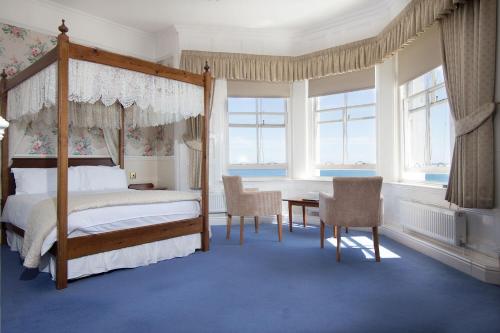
(326, 209)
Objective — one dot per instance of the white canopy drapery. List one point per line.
(97, 90)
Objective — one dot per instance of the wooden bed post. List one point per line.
(62, 158)
(205, 139)
(121, 139)
(5, 150)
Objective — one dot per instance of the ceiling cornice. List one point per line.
(362, 24)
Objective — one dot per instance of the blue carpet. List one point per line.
(263, 286)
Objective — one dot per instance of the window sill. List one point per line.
(416, 184)
(264, 179)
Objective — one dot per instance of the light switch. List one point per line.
(132, 175)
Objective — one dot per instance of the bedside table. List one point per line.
(146, 186)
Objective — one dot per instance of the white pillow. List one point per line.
(43, 180)
(33, 180)
(98, 178)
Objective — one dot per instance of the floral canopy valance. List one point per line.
(97, 93)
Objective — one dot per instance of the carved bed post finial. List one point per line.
(63, 28)
(206, 67)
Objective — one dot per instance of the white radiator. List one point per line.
(217, 202)
(442, 224)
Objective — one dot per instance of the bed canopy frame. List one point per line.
(75, 247)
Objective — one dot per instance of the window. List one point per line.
(427, 128)
(345, 136)
(257, 137)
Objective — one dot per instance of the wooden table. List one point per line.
(146, 186)
(303, 203)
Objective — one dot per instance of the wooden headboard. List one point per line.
(51, 162)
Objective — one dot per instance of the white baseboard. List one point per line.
(460, 261)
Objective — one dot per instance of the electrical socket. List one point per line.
(132, 175)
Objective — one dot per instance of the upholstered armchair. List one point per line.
(250, 202)
(356, 202)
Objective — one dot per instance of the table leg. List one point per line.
(304, 215)
(290, 216)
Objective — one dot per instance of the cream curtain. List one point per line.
(192, 138)
(469, 39)
(417, 16)
(217, 156)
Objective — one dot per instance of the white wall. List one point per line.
(387, 120)
(299, 127)
(157, 170)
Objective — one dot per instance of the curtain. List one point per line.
(414, 19)
(217, 156)
(469, 39)
(192, 138)
(112, 142)
(3, 125)
(17, 131)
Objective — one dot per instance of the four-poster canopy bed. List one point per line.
(154, 87)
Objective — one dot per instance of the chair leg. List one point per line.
(256, 218)
(375, 243)
(334, 231)
(228, 226)
(304, 216)
(242, 228)
(346, 230)
(322, 235)
(280, 231)
(337, 229)
(290, 216)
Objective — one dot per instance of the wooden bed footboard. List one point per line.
(114, 240)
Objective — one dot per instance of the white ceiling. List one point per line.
(292, 15)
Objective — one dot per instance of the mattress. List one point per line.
(93, 221)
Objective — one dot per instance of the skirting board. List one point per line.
(462, 263)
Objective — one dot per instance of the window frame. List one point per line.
(257, 126)
(317, 167)
(414, 173)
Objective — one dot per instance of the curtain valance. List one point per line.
(413, 20)
(97, 92)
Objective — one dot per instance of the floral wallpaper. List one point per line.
(149, 141)
(19, 48)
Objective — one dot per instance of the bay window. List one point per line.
(427, 128)
(257, 136)
(345, 133)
